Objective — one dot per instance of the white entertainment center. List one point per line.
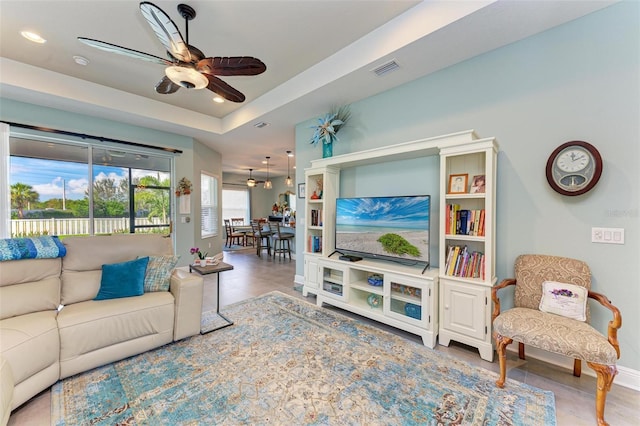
(452, 302)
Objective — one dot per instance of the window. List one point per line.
(209, 205)
(63, 187)
(235, 203)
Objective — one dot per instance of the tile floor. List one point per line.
(254, 276)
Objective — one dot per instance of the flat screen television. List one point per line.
(390, 228)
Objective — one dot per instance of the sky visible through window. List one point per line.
(46, 177)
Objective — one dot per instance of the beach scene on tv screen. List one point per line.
(384, 226)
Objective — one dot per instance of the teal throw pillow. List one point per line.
(123, 279)
(158, 276)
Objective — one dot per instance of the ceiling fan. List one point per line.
(186, 65)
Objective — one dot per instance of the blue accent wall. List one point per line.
(578, 81)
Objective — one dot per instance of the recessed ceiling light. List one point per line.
(31, 36)
(218, 100)
(81, 60)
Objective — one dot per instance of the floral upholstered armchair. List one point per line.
(551, 313)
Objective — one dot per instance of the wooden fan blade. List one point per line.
(166, 31)
(223, 89)
(113, 48)
(166, 86)
(231, 65)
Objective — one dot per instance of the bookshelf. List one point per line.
(321, 187)
(467, 244)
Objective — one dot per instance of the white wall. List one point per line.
(579, 81)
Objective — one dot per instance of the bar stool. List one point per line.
(263, 240)
(281, 241)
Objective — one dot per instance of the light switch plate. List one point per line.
(607, 235)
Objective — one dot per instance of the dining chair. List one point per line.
(232, 236)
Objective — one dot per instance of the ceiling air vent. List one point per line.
(385, 68)
(260, 125)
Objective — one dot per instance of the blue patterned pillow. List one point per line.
(158, 276)
(123, 279)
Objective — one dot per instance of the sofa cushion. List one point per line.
(159, 269)
(554, 333)
(30, 343)
(82, 266)
(124, 279)
(28, 286)
(89, 326)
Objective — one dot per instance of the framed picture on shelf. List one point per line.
(458, 184)
(477, 184)
(301, 190)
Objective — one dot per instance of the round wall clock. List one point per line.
(574, 168)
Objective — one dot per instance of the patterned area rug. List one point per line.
(285, 361)
(211, 320)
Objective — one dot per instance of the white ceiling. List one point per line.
(318, 53)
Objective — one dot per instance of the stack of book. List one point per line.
(316, 217)
(464, 222)
(464, 263)
(314, 245)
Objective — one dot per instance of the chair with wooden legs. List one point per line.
(281, 240)
(232, 236)
(551, 312)
(262, 239)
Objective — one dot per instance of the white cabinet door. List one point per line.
(311, 281)
(407, 299)
(464, 308)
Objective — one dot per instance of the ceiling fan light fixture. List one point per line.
(251, 182)
(186, 77)
(218, 99)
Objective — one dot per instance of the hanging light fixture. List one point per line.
(267, 183)
(288, 181)
(251, 182)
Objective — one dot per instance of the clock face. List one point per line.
(573, 159)
(574, 168)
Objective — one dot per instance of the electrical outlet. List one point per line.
(607, 235)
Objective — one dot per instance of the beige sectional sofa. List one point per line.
(51, 328)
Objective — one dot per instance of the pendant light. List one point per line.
(251, 182)
(288, 181)
(267, 183)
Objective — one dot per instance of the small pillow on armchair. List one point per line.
(159, 269)
(124, 279)
(568, 300)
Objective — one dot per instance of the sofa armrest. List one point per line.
(187, 292)
(6, 390)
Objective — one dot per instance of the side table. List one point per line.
(214, 269)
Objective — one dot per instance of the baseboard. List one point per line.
(298, 279)
(626, 377)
